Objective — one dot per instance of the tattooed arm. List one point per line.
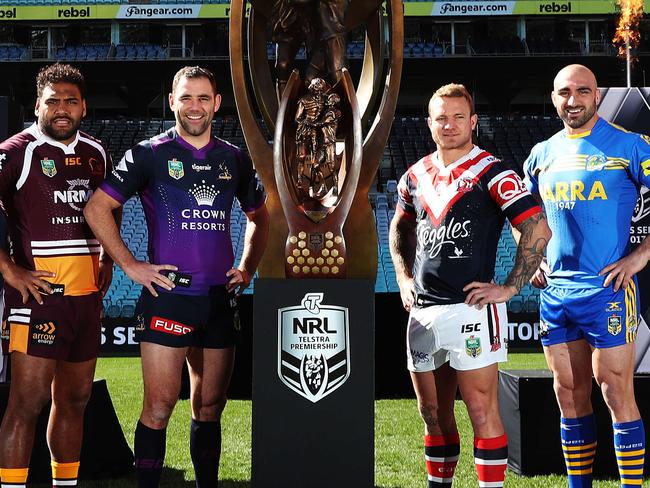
(402, 241)
(534, 235)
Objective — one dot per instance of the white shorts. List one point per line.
(465, 336)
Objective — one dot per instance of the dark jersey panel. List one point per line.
(460, 211)
(187, 195)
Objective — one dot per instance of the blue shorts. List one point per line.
(601, 316)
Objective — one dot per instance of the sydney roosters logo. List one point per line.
(465, 185)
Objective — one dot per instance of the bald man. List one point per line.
(587, 177)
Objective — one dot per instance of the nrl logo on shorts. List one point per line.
(313, 350)
(175, 169)
(473, 346)
(614, 324)
(48, 167)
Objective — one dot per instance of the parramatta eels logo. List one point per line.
(175, 169)
(596, 162)
(313, 349)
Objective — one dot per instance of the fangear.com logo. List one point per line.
(157, 11)
(472, 8)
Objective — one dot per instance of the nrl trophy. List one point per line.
(321, 164)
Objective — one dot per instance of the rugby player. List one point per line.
(452, 206)
(588, 177)
(187, 180)
(55, 281)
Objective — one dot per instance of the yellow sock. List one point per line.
(64, 474)
(13, 477)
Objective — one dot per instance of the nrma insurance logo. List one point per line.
(313, 351)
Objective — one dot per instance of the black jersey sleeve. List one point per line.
(250, 191)
(130, 175)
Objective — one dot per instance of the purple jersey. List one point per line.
(187, 195)
(460, 210)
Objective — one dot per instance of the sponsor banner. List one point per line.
(449, 8)
(102, 12)
(523, 332)
(455, 8)
(118, 337)
(158, 11)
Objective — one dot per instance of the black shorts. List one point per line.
(208, 321)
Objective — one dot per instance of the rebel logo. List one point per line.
(172, 327)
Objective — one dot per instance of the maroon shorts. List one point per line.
(65, 328)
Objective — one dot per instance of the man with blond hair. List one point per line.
(451, 210)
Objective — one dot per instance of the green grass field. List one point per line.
(398, 437)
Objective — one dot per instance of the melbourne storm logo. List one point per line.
(313, 352)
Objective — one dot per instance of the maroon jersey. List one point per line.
(44, 186)
(460, 210)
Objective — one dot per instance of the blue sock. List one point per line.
(629, 445)
(579, 446)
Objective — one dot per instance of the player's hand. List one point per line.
(147, 274)
(105, 275)
(28, 282)
(239, 280)
(407, 293)
(538, 280)
(483, 293)
(622, 271)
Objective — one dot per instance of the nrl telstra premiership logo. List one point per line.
(313, 347)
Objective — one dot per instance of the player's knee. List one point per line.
(616, 394)
(157, 412)
(210, 411)
(72, 402)
(430, 414)
(26, 407)
(479, 413)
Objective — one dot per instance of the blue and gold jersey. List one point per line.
(589, 184)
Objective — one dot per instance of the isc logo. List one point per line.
(169, 326)
(73, 161)
(470, 328)
(311, 325)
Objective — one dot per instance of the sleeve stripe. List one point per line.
(516, 199)
(27, 162)
(498, 177)
(525, 215)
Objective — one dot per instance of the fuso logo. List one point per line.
(170, 327)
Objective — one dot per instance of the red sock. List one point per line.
(441, 454)
(491, 459)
